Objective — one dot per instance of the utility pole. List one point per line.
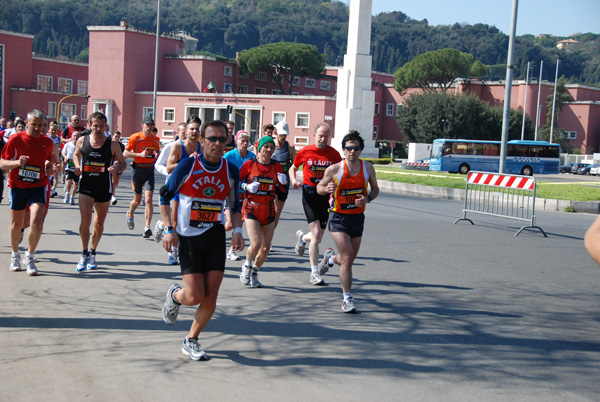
(554, 103)
(537, 114)
(525, 104)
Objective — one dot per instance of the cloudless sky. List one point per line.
(555, 17)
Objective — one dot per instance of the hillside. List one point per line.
(225, 27)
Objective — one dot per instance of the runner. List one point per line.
(204, 183)
(71, 179)
(284, 154)
(143, 148)
(30, 156)
(315, 158)
(347, 181)
(93, 159)
(237, 156)
(263, 180)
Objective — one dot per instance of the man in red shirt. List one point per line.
(143, 147)
(316, 159)
(30, 156)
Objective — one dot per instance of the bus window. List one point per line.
(475, 149)
(491, 149)
(518, 150)
(552, 152)
(459, 148)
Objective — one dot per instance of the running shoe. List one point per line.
(232, 255)
(254, 282)
(82, 265)
(191, 348)
(348, 306)
(173, 259)
(15, 263)
(30, 266)
(324, 265)
(158, 231)
(67, 198)
(53, 193)
(130, 222)
(113, 200)
(147, 232)
(72, 200)
(245, 275)
(170, 309)
(316, 279)
(91, 263)
(300, 246)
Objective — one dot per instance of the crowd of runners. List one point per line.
(215, 182)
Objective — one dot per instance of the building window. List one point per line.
(295, 93)
(260, 76)
(571, 135)
(242, 89)
(168, 133)
(389, 109)
(296, 81)
(169, 114)
(325, 85)
(147, 112)
(82, 87)
(376, 109)
(301, 141)
(84, 114)
(276, 92)
(399, 107)
(244, 74)
(228, 71)
(65, 85)
(51, 109)
(302, 120)
(278, 116)
(309, 83)
(44, 83)
(259, 90)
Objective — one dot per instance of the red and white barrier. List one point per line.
(500, 180)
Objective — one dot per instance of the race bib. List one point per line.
(205, 213)
(30, 174)
(94, 168)
(347, 198)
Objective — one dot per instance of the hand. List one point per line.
(331, 186)
(252, 187)
(282, 178)
(295, 183)
(361, 201)
(77, 171)
(237, 241)
(23, 160)
(170, 241)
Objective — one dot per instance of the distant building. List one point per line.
(567, 44)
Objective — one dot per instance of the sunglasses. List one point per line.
(222, 140)
(353, 148)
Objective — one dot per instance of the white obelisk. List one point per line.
(355, 101)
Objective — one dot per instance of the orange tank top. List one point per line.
(348, 189)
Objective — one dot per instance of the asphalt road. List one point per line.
(447, 312)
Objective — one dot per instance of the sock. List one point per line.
(28, 255)
(314, 268)
(248, 263)
(302, 240)
(85, 252)
(147, 228)
(331, 261)
(15, 254)
(174, 299)
(347, 296)
(92, 251)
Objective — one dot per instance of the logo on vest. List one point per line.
(209, 192)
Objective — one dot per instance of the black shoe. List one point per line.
(147, 233)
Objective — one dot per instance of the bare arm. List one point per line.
(592, 240)
(327, 184)
(295, 183)
(77, 156)
(174, 157)
(118, 157)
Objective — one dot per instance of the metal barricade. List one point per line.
(505, 195)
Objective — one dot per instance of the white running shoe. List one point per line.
(324, 265)
(300, 246)
(30, 266)
(191, 348)
(67, 198)
(113, 200)
(316, 279)
(72, 200)
(82, 265)
(245, 275)
(158, 231)
(130, 222)
(348, 306)
(15, 263)
(254, 282)
(232, 255)
(91, 263)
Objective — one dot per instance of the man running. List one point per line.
(284, 154)
(143, 147)
(96, 158)
(315, 158)
(31, 157)
(347, 181)
(204, 183)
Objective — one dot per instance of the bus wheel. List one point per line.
(464, 168)
(526, 171)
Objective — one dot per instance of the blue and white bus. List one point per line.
(522, 157)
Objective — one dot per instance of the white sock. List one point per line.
(302, 239)
(331, 261)
(314, 268)
(347, 296)
(28, 255)
(15, 254)
(248, 263)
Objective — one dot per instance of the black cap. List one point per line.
(148, 120)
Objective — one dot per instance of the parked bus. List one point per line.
(522, 157)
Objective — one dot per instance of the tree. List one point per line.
(562, 97)
(437, 68)
(283, 61)
(432, 115)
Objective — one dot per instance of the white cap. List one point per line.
(282, 128)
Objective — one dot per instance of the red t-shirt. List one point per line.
(39, 149)
(266, 175)
(315, 161)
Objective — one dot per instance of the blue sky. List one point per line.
(555, 17)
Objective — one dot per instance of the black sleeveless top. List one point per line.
(95, 163)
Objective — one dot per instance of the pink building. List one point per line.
(29, 82)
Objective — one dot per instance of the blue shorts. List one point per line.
(350, 224)
(21, 198)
